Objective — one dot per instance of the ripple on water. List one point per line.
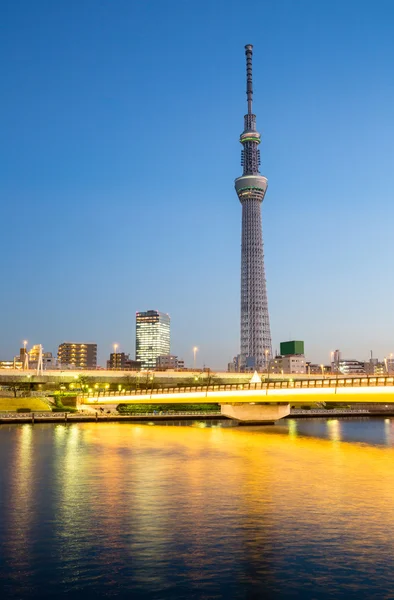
(111, 510)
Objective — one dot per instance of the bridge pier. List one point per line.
(255, 413)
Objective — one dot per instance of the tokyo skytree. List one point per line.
(256, 349)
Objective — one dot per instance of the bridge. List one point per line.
(258, 402)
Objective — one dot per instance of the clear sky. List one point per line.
(119, 147)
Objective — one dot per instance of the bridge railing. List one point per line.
(328, 382)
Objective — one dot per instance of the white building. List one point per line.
(169, 361)
(292, 363)
(350, 367)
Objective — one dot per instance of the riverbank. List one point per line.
(98, 417)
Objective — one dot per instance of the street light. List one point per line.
(195, 350)
(322, 370)
(389, 366)
(25, 356)
(115, 358)
(266, 361)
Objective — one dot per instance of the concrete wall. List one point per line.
(255, 412)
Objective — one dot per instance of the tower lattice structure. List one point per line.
(251, 187)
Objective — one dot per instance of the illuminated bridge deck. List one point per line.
(348, 389)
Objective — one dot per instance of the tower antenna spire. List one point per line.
(256, 345)
(249, 80)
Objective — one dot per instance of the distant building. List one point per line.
(374, 367)
(314, 369)
(152, 337)
(237, 360)
(169, 361)
(293, 348)
(351, 367)
(288, 364)
(76, 355)
(122, 361)
(389, 364)
(11, 364)
(233, 366)
(291, 359)
(48, 360)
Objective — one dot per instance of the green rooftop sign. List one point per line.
(294, 347)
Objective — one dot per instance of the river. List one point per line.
(303, 509)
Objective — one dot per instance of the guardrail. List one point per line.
(317, 412)
(58, 416)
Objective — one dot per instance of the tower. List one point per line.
(256, 350)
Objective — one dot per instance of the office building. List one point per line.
(315, 369)
(169, 361)
(291, 358)
(75, 355)
(256, 348)
(152, 337)
(123, 362)
(351, 367)
(11, 364)
(288, 364)
(48, 360)
(374, 367)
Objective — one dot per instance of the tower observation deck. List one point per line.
(256, 346)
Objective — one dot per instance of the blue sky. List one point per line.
(119, 147)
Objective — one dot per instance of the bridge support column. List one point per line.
(255, 413)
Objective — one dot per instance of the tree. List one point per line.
(15, 385)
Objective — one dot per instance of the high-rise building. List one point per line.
(77, 356)
(256, 350)
(152, 337)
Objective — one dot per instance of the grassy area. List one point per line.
(132, 409)
(13, 404)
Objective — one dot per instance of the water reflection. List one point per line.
(186, 512)
(21, 491)
(334, 430)
(292, 424)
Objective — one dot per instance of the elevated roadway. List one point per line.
(268, 401)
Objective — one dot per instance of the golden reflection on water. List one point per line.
(334, 430)
(251, 471)
(20, 494)
(205, 501)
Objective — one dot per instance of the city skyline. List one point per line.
(75, 169)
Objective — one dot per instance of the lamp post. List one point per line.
(25, 356)
(115, 356)
(195, 350)
(322, 370)
(266, 359)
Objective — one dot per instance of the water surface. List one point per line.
(300, 510)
